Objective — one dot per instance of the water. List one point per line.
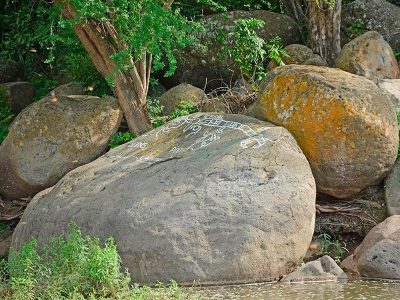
(353, 290)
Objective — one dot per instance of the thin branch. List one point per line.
(168, 3)
(149, 66)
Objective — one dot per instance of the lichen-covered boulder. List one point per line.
(47, 140)
(19, 95)
(299, 55)
(392, 190)
(378, 15)
(322, 269)
(204, 67)
(10, 71)
(344, 123)
(207, 197)
(184, 92)
(369, 55)
(378, 256)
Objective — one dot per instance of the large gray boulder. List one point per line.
(205, 68)
(49, 139)
(378, 256)
(392, 190)
(369, 55)
(207, 197)
(322, 269)
(378, 15)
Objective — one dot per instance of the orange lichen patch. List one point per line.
(313, 114)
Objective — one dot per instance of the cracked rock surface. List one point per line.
(207, 197)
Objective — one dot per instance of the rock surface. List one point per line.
(392, 86)
(299, 55)
(183, 92)
(205, 67)
(377, 15)
(207, 197)
(322, 269)
(392, 190)
(10, 71)
(72, 88)
(20, 95)
(369, 55)
(344, 124)
(379, 254)
(48, 140)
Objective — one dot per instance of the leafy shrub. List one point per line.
(248, 51)
(275, 50)
(245, 47)
(198, 7)
(76, 267)
(155, 111)
(183, 109)
(333, 247)
(120, 138)
(358, 28)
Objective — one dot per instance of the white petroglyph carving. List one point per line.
(138, 145)
(217, 125)
(214, 125)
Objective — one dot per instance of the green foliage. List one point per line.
(248, 51)
(6, 116)
(333, 247)
(198, 7)
(155, 111)
(74, 267)
(397, 55)
(120, 138)
(143, 26)
(358, 28)
(245, 47)
(183, 109)
(275, 50)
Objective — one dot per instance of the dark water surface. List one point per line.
(352, 290)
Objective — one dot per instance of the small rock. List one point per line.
(378, 256)
(72, 88)
(323, 269)
(20, 95)
(183, 92)
(392, 86)
(369, 55)
(10, 71)
(299, 55)
(392, 190)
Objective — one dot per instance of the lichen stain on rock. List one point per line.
(317, 113)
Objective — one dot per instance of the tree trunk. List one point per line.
(100, 41)
(324, 29)
(297, 10)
